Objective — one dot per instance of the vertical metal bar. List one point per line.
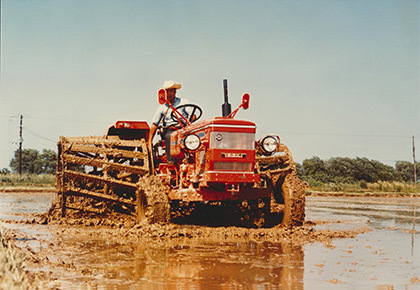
(63, 205)
(61, 167)
(141, 215)
(104, 167)
(414, 160)
(59, 170)
(20, 145)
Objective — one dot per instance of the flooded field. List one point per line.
(382, 251)
(387, 257)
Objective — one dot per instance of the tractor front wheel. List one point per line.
(289, 192)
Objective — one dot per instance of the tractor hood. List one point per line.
(222, 124)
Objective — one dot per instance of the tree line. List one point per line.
(34, 162)
(350, 170)
(336, 170)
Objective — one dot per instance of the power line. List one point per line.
(63, 120)
(33, 133)
(343, 134)
(49, 119)
(347, 135)
(10, 117)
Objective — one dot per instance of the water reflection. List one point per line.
(194, 264)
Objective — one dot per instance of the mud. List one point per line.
(80, 254)
(120, 227)
(156, 203)
(341, 240)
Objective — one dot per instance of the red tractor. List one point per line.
(218, 164)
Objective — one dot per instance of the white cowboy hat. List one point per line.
(171, 85)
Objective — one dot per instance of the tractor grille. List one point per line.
(233, 166)
(232, 140)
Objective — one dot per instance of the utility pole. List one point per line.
(414, 161)
(20, 145)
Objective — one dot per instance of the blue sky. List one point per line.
(332, 78)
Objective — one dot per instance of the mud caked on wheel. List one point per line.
(289, 191)
(152, 200)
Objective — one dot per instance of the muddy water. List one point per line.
(188, 264)
(386, 257)
(16, 205)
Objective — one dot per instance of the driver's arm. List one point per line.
(152, 133)
(155, 121)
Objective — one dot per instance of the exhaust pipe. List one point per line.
(226, 108)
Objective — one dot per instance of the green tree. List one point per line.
(5, 171)
(341, 169)
(34, 162)
(315, 168)
(299, 170)
(349, 170)
(384, 172)
(404, 171)
(48, 161)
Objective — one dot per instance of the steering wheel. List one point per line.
(191, 117)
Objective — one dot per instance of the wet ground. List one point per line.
(366, 243)
(387, 257)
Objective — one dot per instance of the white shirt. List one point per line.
(164, 111)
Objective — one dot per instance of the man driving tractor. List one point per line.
(163, 118)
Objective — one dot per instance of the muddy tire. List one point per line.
(288, 191)
(153, 204)
(291, 191)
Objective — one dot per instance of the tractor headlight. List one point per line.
(269, 144)
(192, 142)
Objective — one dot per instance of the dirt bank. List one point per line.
(27, 189)
(361, 194)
